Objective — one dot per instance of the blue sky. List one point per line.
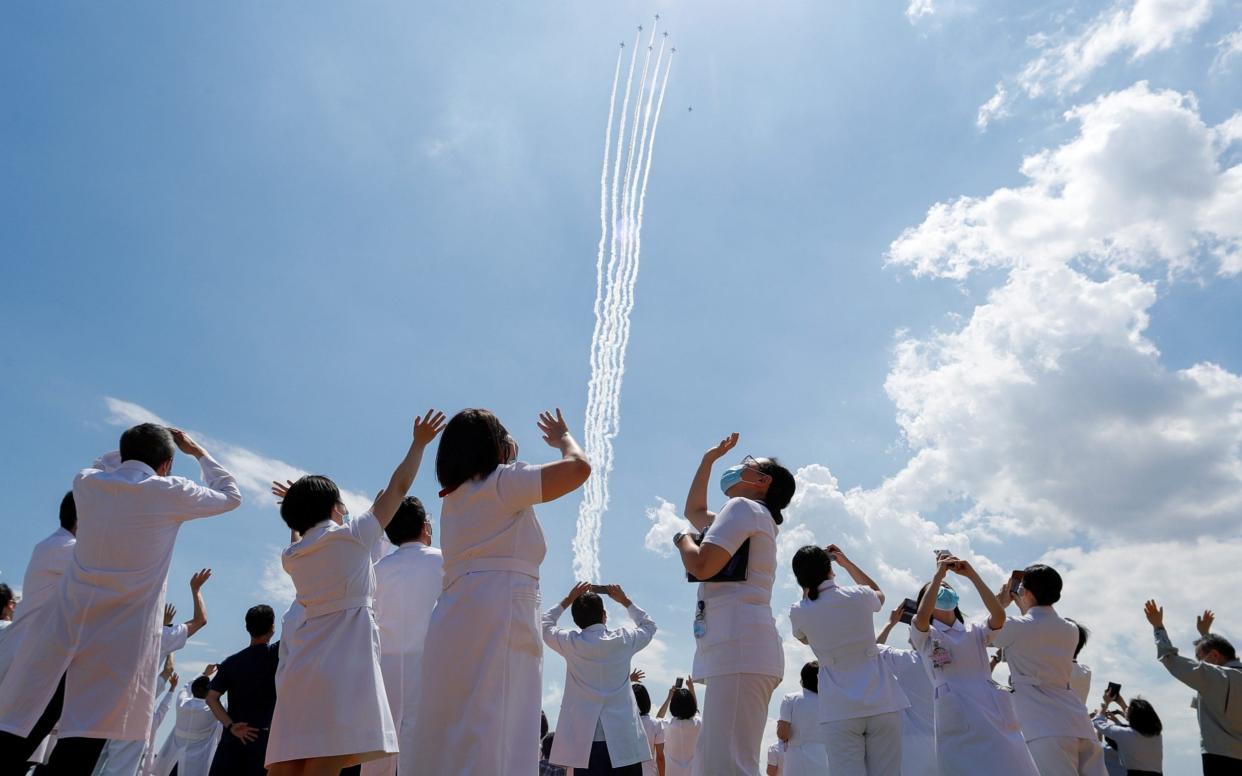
(292, 228)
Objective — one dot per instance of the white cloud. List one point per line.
(1142, 183)
(997, 107)
(1137, 27)
(666, 522)
(254, 471)
(1227, 48)
(276, 585)
(917, 9)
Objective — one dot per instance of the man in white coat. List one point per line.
(599, 730)
(1039, 647)
(89, 657)
(407, 584)
(193, 740)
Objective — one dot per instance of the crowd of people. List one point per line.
(398, 658)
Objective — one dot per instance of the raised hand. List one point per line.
(894, 616)
(837, 555)
(553, 427)
(722, 448)
(1155, 614)
(210, 669)
(1204, 623)
(198, 580)
(617, 594)
(172, 681)
(279, 490)
(574, 592)
(185, 444)
(428, 427)
(637, 675)
(170, 614)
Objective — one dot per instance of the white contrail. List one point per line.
(622, 201)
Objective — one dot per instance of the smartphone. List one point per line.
(1015, 583)
(1114, 690)
(599, 589)
(941, 554)
(908, 609)
(677, 684)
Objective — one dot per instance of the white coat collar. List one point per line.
(956, 626)
(827, 584)
(138, 465)
(596, 628)
(1041, 611)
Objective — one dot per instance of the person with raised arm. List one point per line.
(331, 706)
(1216, 675)
(918, 727)
(482, 667)
(652, 726)
(192, 743)
(681, 733)
(976, 728)
(860, 700)
(599, 730)
(1139, 743)
(91, 654)
(737, 651)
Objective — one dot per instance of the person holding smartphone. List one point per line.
(975, 726)
(918, 737)
(737, 648)
(681, 733)
(1139, 743)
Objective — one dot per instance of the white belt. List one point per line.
(1035, 681)
(850, 655)
(339, 605)
(456, 571)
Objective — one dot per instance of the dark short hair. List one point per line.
(68, 513)
(812, 566)
(1044, 583)
(200, 686)
(1143, 718)
(957, 610)
(6, 595)
(150, 443)
(642, 698)
(780, 489)
(1214, 641)
(260, 620)
(407, 522)
(473, 444)
(587, 610)
(810, 676)
(683, 705)
(543, 724)
(1083, 635)
(309, 502)
(545, 746)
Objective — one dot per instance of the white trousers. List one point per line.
(735, 711)
(864, 746)
(1067, 756)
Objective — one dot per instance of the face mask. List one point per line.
(344, 517)
(946, 599)
(731, 477)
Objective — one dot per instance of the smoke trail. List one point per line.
(622, 202)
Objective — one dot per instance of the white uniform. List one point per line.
(192, 743)
(681, 738)
(655, 737)
(976, 727)
(776, 759)
(860, 700)
(597, 690)
(1080, 681)
(102, 627)
(1039, 648)
(804, 753)
(918, 727)
(330, 670)
(482, 673)
(407, 584)
(1136, 752)
(739, 656)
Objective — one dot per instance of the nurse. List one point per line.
(799, 729)
(976, 728)
(681, 733)
(191, 745)
(738, 651)
(331, 707)
(482, 668)
(918, 737)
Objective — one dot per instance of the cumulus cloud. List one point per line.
(917, 9)
(254, 471)
(997, 107)
(1142, 183)
(275, 585)
(1227, 48)
(666, 522)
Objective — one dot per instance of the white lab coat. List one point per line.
(102, 627)
(681, 737)
(1080, 681)
(597, 689)
(918, 736)
(776, 759)
(854, 682)
(804, 753)
(407, 583)
(482, 674)
(976, 728)
(655, 737)
(192, 743)
(1039, 648)
(330, 697)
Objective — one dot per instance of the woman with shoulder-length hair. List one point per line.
(331, 710)
(482, 670)
(737, 648)
(1139, 744)
(976, 728)
(799, 730)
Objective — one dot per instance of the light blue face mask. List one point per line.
(345, 517)
(730, 477)
(946, 599)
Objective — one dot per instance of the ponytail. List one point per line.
(812, 567)
(780, 490)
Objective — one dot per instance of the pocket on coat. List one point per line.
(1007, 717)
(524, 631)
(950, 714)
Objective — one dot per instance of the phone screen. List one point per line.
(599, 589)
(1015, 583)
(1114, 689)
(678, 683)
(908, 609)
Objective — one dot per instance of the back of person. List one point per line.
(247, 682)
(493, 518)
(407, 584)
(803, 753)
(655, 738)
(680, 738)
(47, 565)
(918, 741)
(1039, 649)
